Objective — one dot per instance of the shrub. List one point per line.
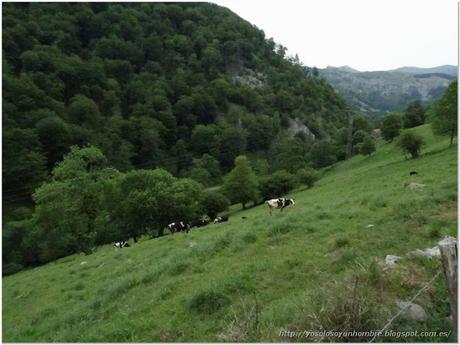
(208, 302)
(391, 125)
(411, 143)
(414, 115)
(213, 203)
(307, 177)
(276, 185)
(240, 184)
(367, 147)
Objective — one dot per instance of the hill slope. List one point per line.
(381, 91)
(247, 279)
(137, 79)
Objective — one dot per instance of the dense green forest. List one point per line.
(181, 86)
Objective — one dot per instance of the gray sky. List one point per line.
(366, 35)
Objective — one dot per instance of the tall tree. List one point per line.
(414, 115)
(445, 118)
(240, 185)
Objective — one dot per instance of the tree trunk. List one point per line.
(452, 132)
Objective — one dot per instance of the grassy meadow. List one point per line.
(316, 265)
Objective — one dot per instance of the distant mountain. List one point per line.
(381, 91)
(445, 69)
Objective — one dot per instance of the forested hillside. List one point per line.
(150, 85)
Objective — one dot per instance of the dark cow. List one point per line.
(413, 173)
(279, 203)
(198, 223)
(178, 227)
(220, 219)
(121, 244)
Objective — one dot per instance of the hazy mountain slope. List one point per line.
(381, 91)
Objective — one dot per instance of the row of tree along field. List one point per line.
(88, 203)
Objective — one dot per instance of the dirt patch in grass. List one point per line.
(447, 212)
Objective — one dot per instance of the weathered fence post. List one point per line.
(448, 249)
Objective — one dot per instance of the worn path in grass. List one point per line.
(244, 280)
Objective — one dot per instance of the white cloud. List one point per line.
(371, 35)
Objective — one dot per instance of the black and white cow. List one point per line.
(220, 219)
(178, 227)
(279, 203)
(121, 244)
(198, 223)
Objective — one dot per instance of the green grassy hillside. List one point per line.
(315, 266)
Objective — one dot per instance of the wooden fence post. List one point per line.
(448, 249)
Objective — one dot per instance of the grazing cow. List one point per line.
(413, 173)
(279, 203)
(198, 223)
(121, 244)
(220, 219)
(178, 227)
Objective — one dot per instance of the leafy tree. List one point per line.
(446, 112)
(260, 166)
(24, 164)
(84, 111)
(361, 123)
(68, 206)
(358, 137)
(289, 154)
(206, 170)
(213, 203)
(145, 201)
(322, 153)
(411, 143)
(276, 185)
(232, 144)
(391, 126)
(205, 139)
(414, 115)
(240, 185)
(54, 137)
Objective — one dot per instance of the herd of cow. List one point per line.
(183, 226)
(279, 203)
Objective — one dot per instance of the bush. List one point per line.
(414, 115)
(391, 126)
(276, 185)
(411, 143)
(208, 302)
(213, 203)
(307, 177)
(367, 147)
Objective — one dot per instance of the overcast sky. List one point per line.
(371, 35)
